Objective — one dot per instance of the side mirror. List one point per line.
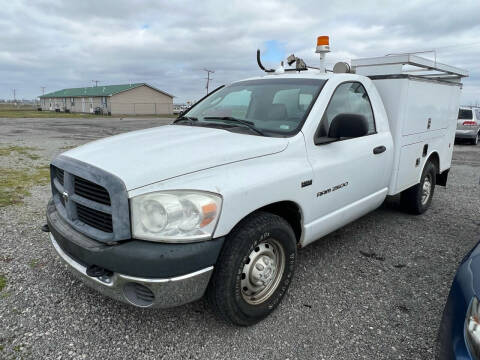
(348, 126)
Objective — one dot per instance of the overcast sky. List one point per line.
(61, 44)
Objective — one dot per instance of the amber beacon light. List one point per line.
(322, 40)
(323, 47)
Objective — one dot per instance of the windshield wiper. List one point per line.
(190, 119)
(235, 121)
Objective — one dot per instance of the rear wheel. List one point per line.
(475, 139)
(417, 199)
(254, 269)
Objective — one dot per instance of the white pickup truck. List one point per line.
(219, 201)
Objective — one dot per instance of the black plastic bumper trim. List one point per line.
(133, 257)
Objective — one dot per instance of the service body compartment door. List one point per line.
(410, 165)
(425, 107)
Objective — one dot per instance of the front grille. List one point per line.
(91, 191)
(95, 218)
(59, 174)
(82, 196)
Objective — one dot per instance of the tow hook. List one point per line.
(98, 272)
(45, 228)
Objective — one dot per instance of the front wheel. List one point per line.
(254, 269)
(417, 199)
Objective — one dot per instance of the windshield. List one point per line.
(465, 114)
(271, 106)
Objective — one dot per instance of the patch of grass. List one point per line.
(2, 347)
(22, 150)
(34, 263)
(3, 281)
(15, 113)
(14, 183)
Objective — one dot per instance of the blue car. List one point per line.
(459, 333)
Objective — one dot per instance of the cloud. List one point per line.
(60, 44)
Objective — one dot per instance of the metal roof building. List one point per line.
(126, 99)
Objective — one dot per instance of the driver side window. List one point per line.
(351, 98)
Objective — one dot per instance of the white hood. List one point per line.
(147, 156)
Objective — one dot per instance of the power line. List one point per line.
(208, 77)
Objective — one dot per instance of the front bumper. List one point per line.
(141, 292)
(141, 273)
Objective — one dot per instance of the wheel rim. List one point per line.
(426, 189)
(262, 271)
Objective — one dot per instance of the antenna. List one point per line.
(208, 77)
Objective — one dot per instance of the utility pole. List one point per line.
(208, 77)
(96, 82)
(14, 95)
(43, 89)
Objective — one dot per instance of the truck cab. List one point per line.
(219, 202)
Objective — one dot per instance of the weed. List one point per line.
(3, 281)
(34, 263)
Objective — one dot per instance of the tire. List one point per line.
(250, 249)
(475, 139)
(413, 199)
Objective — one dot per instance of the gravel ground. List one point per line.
(372, 290)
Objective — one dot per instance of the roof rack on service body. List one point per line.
(407, 65)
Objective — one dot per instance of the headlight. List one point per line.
(472, 328)
(175, 216)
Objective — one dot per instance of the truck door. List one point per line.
(350, 175)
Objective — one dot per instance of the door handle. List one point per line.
(379, 149)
